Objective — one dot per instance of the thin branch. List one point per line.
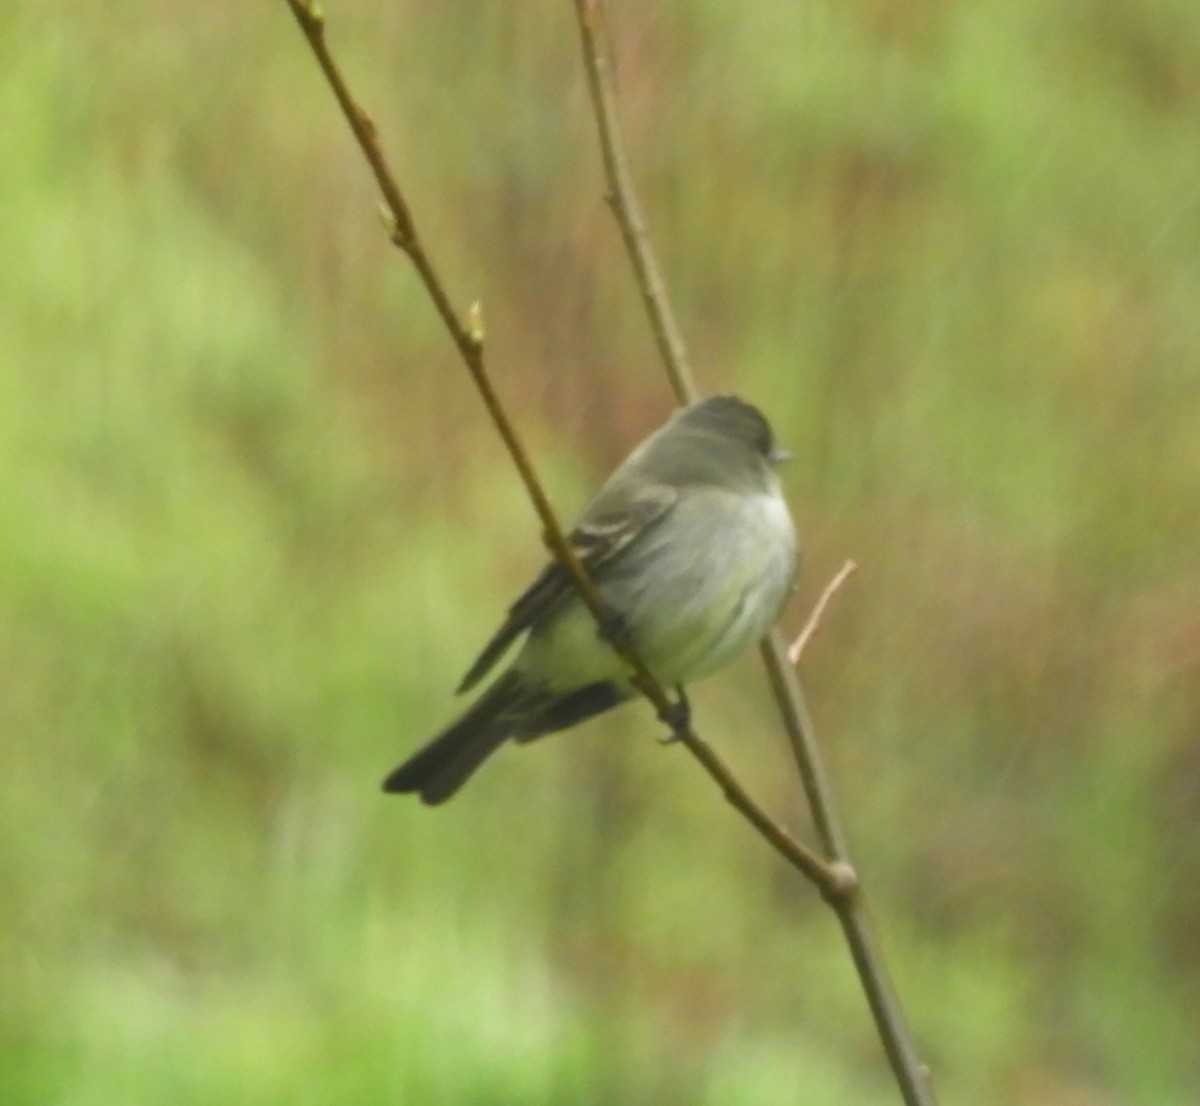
(468, 338)
(836, 880)
(785, 686)
(832, 880)
(910, 1073)
(624, 202)
(796, 649)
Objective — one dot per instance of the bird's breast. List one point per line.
(695, 590)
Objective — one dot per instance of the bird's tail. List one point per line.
(440, 768)
(510, 708)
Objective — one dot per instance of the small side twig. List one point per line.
(796, 649)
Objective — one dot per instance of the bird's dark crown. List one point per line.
(733, 418)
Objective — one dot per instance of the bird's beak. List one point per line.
(778, 456)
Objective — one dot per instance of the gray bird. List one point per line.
(692, 548)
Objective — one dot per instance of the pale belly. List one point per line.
(692, 599)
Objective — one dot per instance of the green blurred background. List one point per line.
(255, 525)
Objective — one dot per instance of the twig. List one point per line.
(624, 202)
(910, 1073)
(468, 338)
(796, 649)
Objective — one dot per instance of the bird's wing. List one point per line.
(603, 534)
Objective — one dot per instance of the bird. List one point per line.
(690, 545)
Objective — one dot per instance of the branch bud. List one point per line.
(475, 327)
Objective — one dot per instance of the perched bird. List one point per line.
(692, 548)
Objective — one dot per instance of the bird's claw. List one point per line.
(678, 717)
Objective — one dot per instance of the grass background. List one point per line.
(253, 525)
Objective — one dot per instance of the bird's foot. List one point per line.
(678, 717)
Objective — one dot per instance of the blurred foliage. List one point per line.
(255, 525)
